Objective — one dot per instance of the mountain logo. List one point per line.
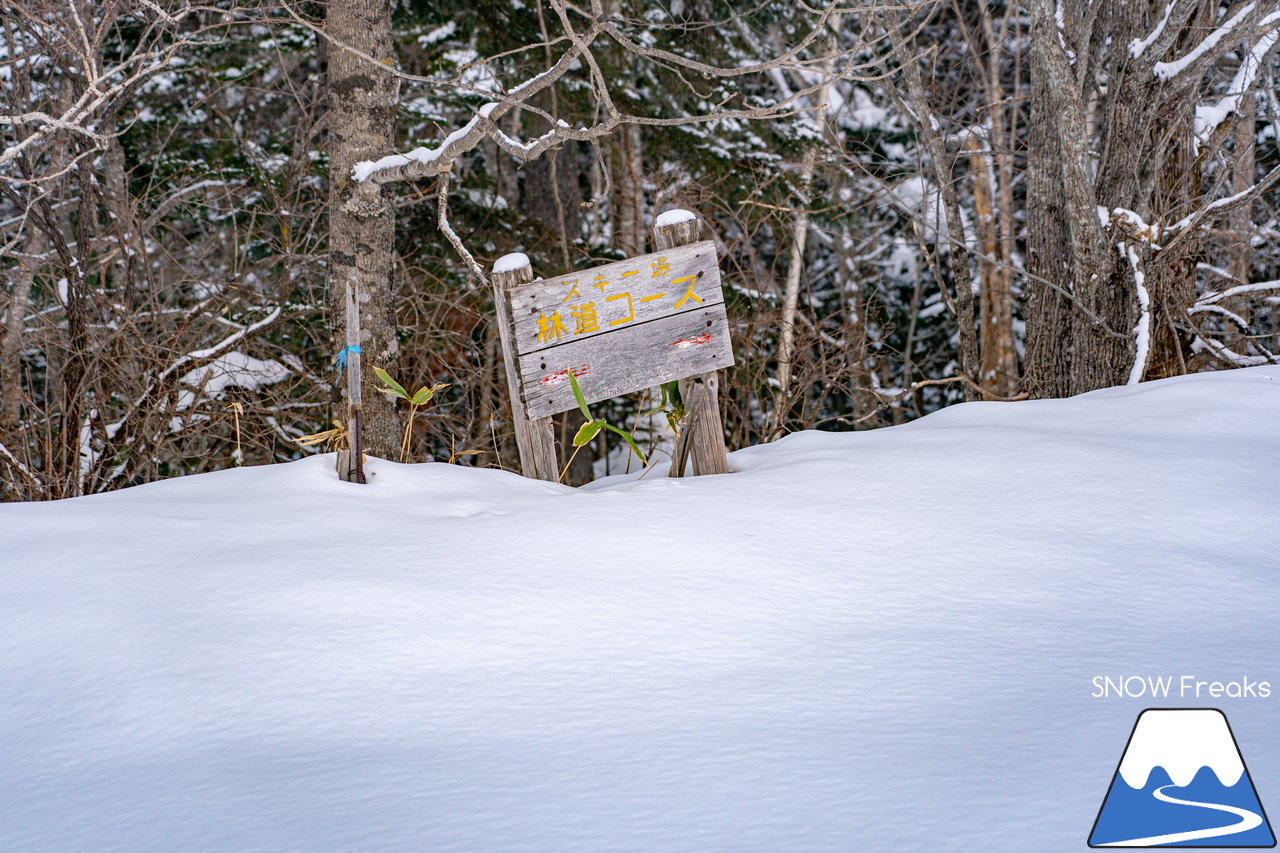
(1182, 782)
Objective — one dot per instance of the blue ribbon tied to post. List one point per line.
(342, 358)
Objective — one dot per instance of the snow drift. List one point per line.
(878, 641)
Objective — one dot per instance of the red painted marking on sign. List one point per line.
(691, 342)
(563, 375)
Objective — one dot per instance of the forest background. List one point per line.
(914, 204)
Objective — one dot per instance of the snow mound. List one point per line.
(878, 641)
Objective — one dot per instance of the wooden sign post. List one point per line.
(621, 327)
(701, 438)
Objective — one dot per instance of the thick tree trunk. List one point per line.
(362, 105)
(1063, 206)
(1171, 284)
(1047, 371)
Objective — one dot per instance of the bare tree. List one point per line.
(1120, 140)
(125, 328)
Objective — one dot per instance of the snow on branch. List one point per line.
(1219, 311)
(1204, 52)
(117, 432)
(1224, 353)
(1190, 223)
(1240, 290)
(1142, 331)
(103, 87)
(1138, 46)
(424, 162)
(18, 466)
(1209, 118)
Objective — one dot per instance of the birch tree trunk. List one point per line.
(362, 106)
(791, 297)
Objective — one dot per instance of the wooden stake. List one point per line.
(535, 438)
(351, 461)
(701, 438)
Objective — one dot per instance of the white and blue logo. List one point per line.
(1182, 782)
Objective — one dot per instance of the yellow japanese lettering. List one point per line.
(550, 327)
(631, 311)
(688, 294)
(587, 318)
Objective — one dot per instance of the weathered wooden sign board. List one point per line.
(621, 327)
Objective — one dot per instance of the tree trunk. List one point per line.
(628, 193)
(1240, 253)
(1068, 246)
(1171, 284)
(791, 297)
(11, 395)
(999, 369)
(362, 107)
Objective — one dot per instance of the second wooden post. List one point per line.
(701, 440)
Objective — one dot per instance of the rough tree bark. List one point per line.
(1115, 204)
(362, 106)
(1047, 371)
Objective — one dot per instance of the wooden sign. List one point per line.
(620, 328)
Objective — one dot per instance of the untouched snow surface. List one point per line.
(881, 641)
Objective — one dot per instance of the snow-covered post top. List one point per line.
(512, 262)
(701, 439)
(676, 228)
